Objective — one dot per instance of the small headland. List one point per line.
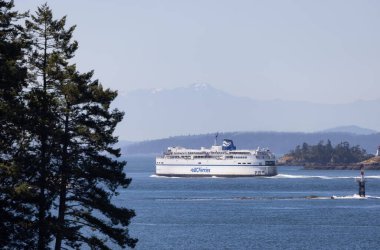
(327, 157)
(370, 164)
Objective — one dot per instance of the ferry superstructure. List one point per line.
(221, 161)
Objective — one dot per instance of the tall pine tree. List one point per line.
(16, 211)
(72, 129)
(58, 168)
(47, 58)
(89, 172)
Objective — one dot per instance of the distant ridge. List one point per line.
(201, 108)
(279, 142)
(351, 129)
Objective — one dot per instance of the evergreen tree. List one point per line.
(16, 213)
(329, 150)
(58, 168)
(72, 127)
(342, 153)
(47, 59)
(326, 153)
(90, 174)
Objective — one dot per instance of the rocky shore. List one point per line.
(370, 164)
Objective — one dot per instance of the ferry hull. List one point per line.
(218, 171)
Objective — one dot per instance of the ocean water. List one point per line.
(293, 210)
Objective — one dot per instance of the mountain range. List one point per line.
(279, 142)
(351, 129)
(201, 108)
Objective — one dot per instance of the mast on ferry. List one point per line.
(216, 138)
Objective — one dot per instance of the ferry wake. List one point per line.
(221, 161)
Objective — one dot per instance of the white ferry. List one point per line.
(223, 161)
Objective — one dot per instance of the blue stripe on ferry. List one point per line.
(203, 165)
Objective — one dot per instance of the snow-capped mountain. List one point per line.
(201, 108)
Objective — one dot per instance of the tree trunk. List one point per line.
(64, 172)
(44, 161)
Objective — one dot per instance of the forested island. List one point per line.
(326, 156)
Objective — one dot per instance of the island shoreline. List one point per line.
(333, 167)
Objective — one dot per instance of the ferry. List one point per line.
(218, 161)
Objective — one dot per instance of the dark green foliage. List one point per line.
(58, 168)
(16, 213)
(47, 59)
(327, 154)
(90, 172)
(12, 77)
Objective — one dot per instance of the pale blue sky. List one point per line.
(318, 51)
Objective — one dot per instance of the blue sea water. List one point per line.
(293, 210)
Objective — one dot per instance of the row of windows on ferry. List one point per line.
(244, 163)
(203, 157)
(216, 152)
(248, 163)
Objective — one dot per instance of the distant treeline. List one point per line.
(326, 153)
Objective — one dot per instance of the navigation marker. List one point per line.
(361, 182)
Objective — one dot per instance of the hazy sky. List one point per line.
(319, 51)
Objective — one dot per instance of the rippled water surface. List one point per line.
(293, 210)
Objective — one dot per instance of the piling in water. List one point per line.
(361, 182)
